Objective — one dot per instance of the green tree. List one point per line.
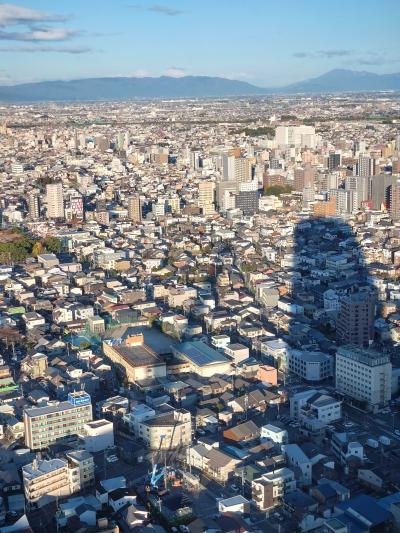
(277, 190)
(52, 245)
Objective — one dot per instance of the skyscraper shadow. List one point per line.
(331, 298)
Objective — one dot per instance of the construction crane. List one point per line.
(156, 474)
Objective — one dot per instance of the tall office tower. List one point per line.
(365, 165)
(206, 197)
(247, 197)
(334, 161)
(135, 208)
(346, 200)
(45, 425)
(195, 160)
(304, 177)
(55, 200)
(236, 169)
(394, 208)
(225, 195)
(355, 324)
(34, 205)
(362, 186)
(364, 375)
(380, 190)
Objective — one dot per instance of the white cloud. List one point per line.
(11, 14)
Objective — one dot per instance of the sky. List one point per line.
(265, 42)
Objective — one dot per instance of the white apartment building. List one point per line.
(98, 435)
(269, 489)
(364, 375)
(310, 366)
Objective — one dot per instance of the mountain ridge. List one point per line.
(122, 88)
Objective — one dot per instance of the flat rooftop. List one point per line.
(138, 356)
(41, 468)
(200, 354)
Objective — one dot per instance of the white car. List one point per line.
(397, 432)
(348, 424)
(112, 458)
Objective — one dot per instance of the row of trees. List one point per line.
(24, 246)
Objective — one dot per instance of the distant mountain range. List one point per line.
(97, 89)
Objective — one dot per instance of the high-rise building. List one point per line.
(236, 169)
(304, 177)
(46, 425)
(381, 190)
(34, 205)
(55, 200)
(334, 161)
(346, 200)
(247, 197)
(395, 201)
(364, 375)
(355, 324)
(135, 208)
(226, 195)
(206, 197)
(365, 165)
(362, 186)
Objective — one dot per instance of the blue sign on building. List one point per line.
(79, 398)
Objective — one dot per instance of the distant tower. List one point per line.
(135, 208)
(34, 205)
(55, 200)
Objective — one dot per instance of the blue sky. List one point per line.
(265, 42)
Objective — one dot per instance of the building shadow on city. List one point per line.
(331, 301)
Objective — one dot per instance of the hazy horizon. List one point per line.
(263, 43)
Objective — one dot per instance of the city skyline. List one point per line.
(260, 42)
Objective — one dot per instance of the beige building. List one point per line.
(135, 359)
(363, 374)
(177, 297)
(206, 197)
(269, 489)
(55, 200)
(167, 431)
(135, 208)
(46, 480)
(213, 462)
